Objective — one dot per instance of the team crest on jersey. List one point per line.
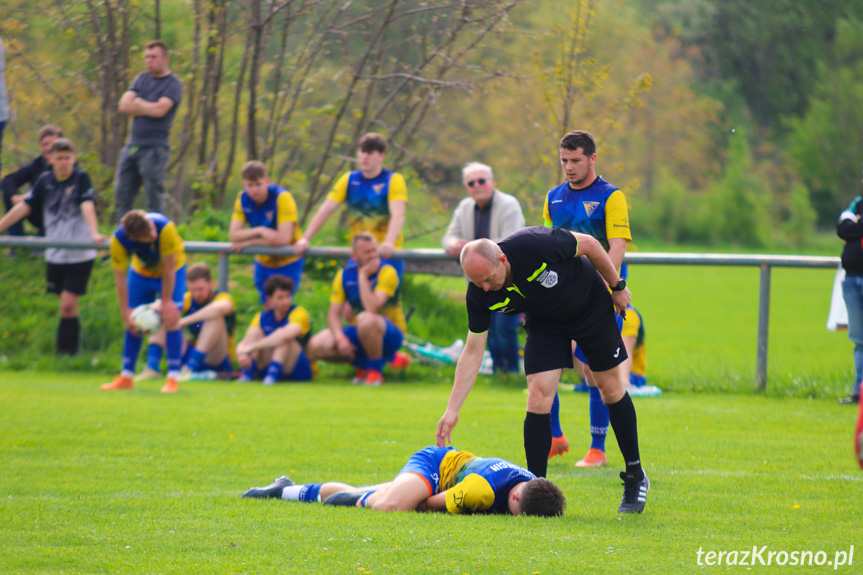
(590, 207)
(548, 278)
(270, 214)
(378, 188)
(68, 190)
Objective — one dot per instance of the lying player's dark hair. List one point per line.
(199, 271)
(372, 142)
(579, 139)
(278, 282)
(135, 222)
(50, 130)
(543, 498)
(62, 145)
(254, 171)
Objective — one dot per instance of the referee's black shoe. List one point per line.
(634, 493)
(273, 490)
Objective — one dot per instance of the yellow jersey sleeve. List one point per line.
(226, 297)
(239, 215)
(300, 317)
(546, 215)
(339, 193)
(388, 280)
(256, 321)
(473, 493)
(398, 189)
(187, 303)
(286, 208)
(337, 295)
(119, 255)
(616, 217)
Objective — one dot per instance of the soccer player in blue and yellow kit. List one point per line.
(587, 204)
(266, 215)
(209, 315)
(372, 289)
(273, 347)
(437, 479)
(158, 268)
(376, 198)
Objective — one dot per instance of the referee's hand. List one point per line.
(444, 428)
(621, 299)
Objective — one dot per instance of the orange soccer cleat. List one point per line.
(171, 386)
(559, 446)
(360, 377)
(594, 458)
(120, 382)
(401, 361)
(374, 378)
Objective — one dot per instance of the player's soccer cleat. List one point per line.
(244, 378)
(374, 378)
(360, 377)
(120, 382)
(148, 373)
(858, 437)
(185, 374)
(559, 446)
(345, 498)
(851, 399)
(270, 380)
(171, 386)
(273, 490)
(401, 361)
(634, 493)
(594, 458)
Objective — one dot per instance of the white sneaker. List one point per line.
(147, 373)
(206, 375)
(186, 374)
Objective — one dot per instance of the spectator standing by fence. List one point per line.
(850, 229)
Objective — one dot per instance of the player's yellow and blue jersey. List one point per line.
(278, 208)
(297, 315)
(190, 306)
(633, 326)
(346, 287)
(479, 484)
(598, 210)
(147, 257)
(369, 201)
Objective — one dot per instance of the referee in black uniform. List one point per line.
(537, 271)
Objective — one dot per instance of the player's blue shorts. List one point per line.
(293, 270)
(143, 289)
(393, 338)
(579, 355)
(426, 463)
(223, 367)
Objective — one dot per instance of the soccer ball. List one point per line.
(146, 318)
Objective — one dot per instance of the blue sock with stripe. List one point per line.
(274, 372)
(196, 359)
(131, 349)
(174, 345)
(249, 373)
(154, 356)
(556, 431)
(598, 420)
(376, 364)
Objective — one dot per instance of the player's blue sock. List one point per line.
(376, 364)
(598, 420)
(308, 493)
(131, 349)
(154, 356)
(365, 498)
(274, 373)
(196, 359)
(225, 366)
(174, 345)
(556, 431)
(249, 373)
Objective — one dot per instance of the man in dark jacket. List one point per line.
(850, 229)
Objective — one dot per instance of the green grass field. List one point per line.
(140, 482)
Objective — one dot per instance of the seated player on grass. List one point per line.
(372, 290)
(209, 316)
(272, 348)
(265, 214)
(437, 479)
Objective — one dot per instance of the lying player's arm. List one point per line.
(15, 215)
(465, 376)
(88, 210)
(214, 309)
(433, 503)
(589, 247)
(279, 337)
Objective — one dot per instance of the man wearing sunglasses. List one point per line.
(492, 214)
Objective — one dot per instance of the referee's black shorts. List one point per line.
(72, 278)
(549, 341)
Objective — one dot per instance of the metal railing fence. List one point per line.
(437, 262)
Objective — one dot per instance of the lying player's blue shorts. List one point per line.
(393, 338)
(293, 270)
(143, 289)
(426, 463)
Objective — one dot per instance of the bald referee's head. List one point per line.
(484, 264)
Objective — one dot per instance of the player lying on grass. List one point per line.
(437, 479)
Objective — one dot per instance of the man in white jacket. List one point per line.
(487, 213)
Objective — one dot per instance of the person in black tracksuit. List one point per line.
(850, 229)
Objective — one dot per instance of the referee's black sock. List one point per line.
(537, 442)
(68, 336)
(623, 422)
